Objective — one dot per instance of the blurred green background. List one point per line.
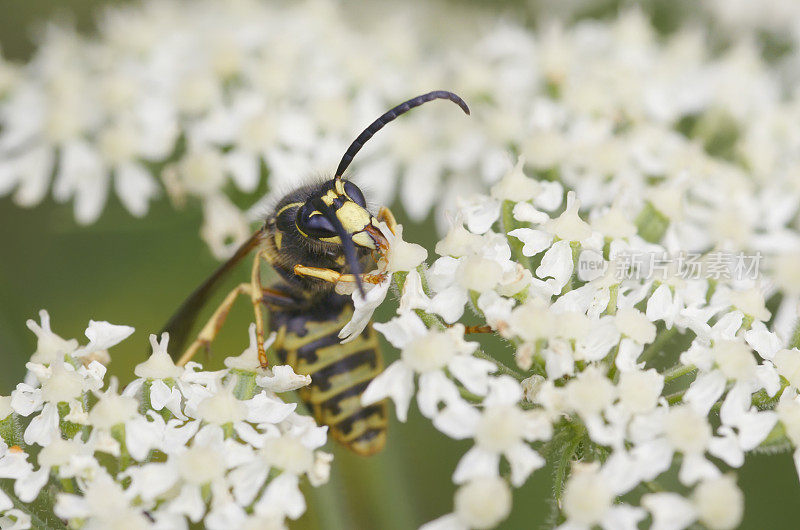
(137, 271)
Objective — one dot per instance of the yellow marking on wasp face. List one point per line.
(334, 239)
(278, 239)
(362, 239)
(354, 218)
(290, 205)
(329, 197)
(340, 260)
(338, 185)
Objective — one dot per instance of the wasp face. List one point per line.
(336, 211)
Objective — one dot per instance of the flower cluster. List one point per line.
(206, 100)
(621, 382)
(589, 143)
(177, 446)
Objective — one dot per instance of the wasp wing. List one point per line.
(181, 322)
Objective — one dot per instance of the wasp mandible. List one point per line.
(317, 236)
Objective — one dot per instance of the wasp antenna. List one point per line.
(390, 115)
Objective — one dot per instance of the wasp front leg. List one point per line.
(331, 276)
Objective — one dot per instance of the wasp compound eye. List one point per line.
(354, 193)
(313, 223)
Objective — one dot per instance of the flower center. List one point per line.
(200, 465)
(428, 353)
(499, 428)
(289, 454)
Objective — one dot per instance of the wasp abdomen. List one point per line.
(308, 341)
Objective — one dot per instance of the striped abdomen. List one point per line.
(308, 341)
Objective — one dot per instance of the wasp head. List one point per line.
(331, 221)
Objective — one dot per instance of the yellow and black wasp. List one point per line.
(317, 236)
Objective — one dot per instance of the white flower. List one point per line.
(104, 505)
(60, 383)
(481, 503)
(426, 353)
(718, 503)
(588, 501)
(102, 336)
(400, 257)
(364, 308)
(158, 375)
(49, 345)
(501, 428)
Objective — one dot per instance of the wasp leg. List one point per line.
(330, 275)
(255, 297)
(212, 327)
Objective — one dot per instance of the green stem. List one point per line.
(118, 433)
(501, 367)
(469, 396)
(612, 364)
(509, 224)
(563, 465)
(678, 371)
(611, 308)
(674, 399)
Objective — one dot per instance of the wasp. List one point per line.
(317, 236)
